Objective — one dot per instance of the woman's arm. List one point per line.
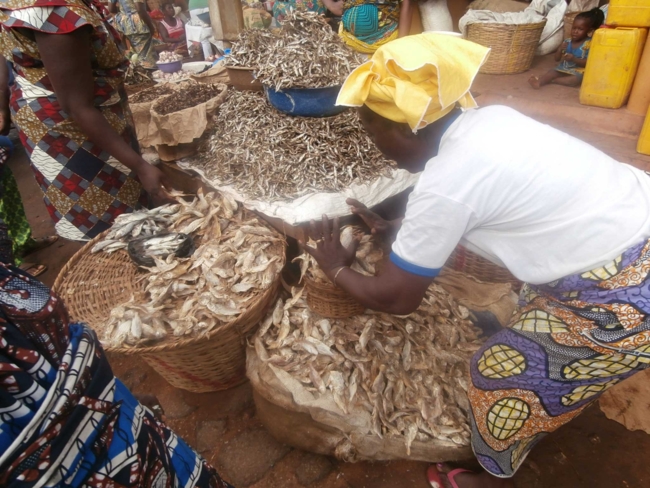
(405, 17)
(112, 8)
(144, 15)
(393, 291)
(67, 61)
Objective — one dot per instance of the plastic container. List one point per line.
(639, 101)
(611, 66)
(172, 67)
(628, 13)
(643, 146)
(306, 102)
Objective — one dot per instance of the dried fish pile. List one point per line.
(237, 258)
(408, 374)
(151, 94)
(249, 48)
(267, 155)
(136, 74)
(191, 95)
(129, 226)
(306, 53)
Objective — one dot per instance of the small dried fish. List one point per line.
(393, 368)
(304, 53)
(195, 294)
(268, 155)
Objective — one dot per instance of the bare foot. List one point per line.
(472, 480)
(534, 82)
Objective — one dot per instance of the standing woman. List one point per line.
(562, 216)
(133, 20)
(69, 105)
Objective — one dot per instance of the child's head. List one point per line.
(586, 22)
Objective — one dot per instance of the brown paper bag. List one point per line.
(184, 126)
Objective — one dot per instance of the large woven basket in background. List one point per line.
(93, 284)
(330, 301)
(512, 45)
(480, 268)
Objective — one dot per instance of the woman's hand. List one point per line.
(378, 226)
(329, 252)
(155, 184)
(334, 6)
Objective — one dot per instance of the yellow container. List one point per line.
(628, 13)
(611, 66)
(643, 146)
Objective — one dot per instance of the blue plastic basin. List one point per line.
(305, 102)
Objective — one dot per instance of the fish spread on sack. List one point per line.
(409, 373)
(195, 294)
(266, 155)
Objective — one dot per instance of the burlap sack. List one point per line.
(294, 416)
(184, 126)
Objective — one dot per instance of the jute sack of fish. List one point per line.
(184, 116)
(374, 386)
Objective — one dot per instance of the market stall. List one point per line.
(213, 287)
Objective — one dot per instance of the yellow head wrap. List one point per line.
(416, 79)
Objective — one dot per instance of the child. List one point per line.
(573, 52)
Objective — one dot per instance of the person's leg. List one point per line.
(539, 81)
(567, 80)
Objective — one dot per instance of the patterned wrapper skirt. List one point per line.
(572, 340)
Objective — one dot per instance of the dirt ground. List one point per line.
(591, 451)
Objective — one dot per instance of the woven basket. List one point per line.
(468, 262)
(93, 284)
(330, 301)
(568, 23)
(512, 46)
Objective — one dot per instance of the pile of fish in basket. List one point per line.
(373, 385)
(209, 271)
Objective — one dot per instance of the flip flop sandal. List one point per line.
(33, 269)
(41, 243)
(433, 475)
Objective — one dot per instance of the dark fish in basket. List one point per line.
(142, 251)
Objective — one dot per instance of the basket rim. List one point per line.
(182, 341)
(501, 25)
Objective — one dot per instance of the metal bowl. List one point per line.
(305, 102)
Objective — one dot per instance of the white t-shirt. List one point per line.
(525, 196)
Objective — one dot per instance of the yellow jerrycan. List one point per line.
(613, 60)
(628, 13)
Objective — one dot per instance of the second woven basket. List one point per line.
(512, 46)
